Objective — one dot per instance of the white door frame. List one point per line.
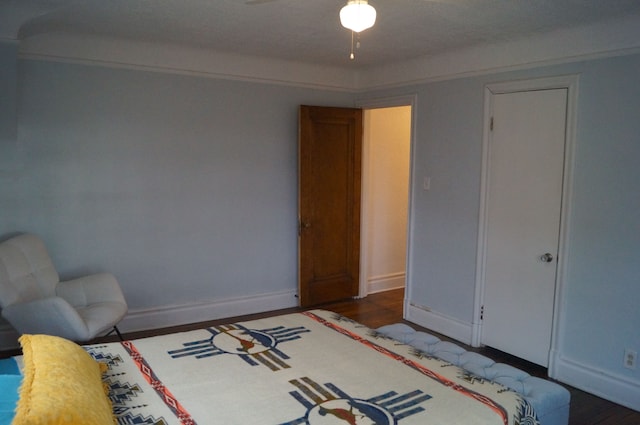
(386, 102)
(569, 82)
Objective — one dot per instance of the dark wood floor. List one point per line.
(386, 307)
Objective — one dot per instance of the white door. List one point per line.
(525, 175)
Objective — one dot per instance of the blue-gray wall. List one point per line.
(8, 101)
(185, 188)
(601, 300)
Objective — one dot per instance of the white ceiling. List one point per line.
(308, 30)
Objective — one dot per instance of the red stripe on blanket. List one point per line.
(164, 393)
(501, 411)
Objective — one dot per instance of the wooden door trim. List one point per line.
(569, 82)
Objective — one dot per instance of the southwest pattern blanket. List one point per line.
(313, 368)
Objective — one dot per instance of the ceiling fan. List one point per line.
(356, 15)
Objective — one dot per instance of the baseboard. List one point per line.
(615, 388)
(165, 316)
(386, 282)
(437, 322)
(174, 315)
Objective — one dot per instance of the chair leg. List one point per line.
(117, 331)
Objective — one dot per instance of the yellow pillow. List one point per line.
(62, 384)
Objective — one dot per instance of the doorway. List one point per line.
(525, 186)
(385, 198)
(346, 259)
(346, 252)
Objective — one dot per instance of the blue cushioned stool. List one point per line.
(550, 400)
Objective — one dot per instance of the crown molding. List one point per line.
(605, 39)
(184, 60)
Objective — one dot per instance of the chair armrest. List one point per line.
(95, 288)
(52, 316)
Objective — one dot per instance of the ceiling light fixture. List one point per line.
(357, 15)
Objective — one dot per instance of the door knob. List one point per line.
(546, 258)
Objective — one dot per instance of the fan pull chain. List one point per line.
(357, 44)
(352, 56)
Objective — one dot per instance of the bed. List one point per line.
(313, 367)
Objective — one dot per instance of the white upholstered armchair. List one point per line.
(34, 301)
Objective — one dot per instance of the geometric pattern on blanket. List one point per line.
(254, 346)
(327, 370)
(329, 401)
(124, 395)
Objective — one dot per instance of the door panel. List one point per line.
(330, 149)
(526, 160)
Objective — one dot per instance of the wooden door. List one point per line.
(526, 159)
(330, 150)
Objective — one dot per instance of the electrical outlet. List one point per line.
(630, 357)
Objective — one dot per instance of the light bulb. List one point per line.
(357, 15)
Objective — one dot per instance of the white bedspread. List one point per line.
(311, 368)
